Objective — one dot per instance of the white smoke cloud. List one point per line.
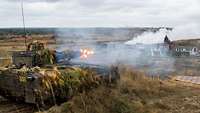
(179, 33)
(140, 57)
(149, 38)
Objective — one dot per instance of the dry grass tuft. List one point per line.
(134, 93)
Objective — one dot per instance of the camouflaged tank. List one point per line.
(36, 77)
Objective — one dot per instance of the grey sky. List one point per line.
(101, 13)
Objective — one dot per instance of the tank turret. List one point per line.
(35, 55)
(38, 77)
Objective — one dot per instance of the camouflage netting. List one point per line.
(67, 82)
(44, 57)
(76, 79)
(37, 85)
(48, 83)
(48, 57)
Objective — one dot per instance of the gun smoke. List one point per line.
(152, 57)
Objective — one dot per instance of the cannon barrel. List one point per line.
(66, 56)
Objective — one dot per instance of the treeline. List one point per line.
(80, 32)
(20, 31)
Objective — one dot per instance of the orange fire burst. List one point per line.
(85, 53)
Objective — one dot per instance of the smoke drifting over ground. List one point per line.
(150, 56)
(154, 59)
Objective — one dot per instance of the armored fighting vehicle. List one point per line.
(36, 75)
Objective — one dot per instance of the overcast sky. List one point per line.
(101, 13)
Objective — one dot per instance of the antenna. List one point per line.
(24, 26)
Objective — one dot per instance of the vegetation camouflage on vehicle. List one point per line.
(36, 55)
(37, 85)
(35, 77)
